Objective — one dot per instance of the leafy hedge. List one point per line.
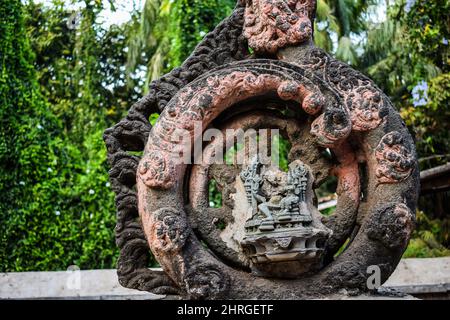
(60, 88)
(56, 207)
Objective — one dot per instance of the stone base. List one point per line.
(369, 297)
(288, 254)
(427, 278)
(69, 285)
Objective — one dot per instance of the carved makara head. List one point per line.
(273, 24)
(284, 236)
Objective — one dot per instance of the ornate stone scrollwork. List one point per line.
(156, 171)
(394, 225)
(206, 281)
(366, 107)
(332, 126)
(268, 226)
(364, 102)
(131, 133)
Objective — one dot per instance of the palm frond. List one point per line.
(346, 51)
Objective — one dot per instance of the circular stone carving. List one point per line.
(226, 242)
(334, 120)
(373, 158)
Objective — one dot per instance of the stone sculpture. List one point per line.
(284, 236)
(268, 228)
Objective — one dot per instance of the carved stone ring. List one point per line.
(267, 240)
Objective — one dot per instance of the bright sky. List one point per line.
(122, 13)
(108, 17)
(124, 7)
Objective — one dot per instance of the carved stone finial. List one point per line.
(274, 24)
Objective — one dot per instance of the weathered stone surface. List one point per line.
(284, 236)
(131, 134)
(412, 276)
(70, 285)
(318, 103)
(274, 24)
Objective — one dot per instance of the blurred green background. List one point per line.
(70, 69)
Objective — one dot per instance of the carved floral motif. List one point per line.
(156, 170)
(331, 126)
(395, 160)
(170, 230)
(365, 103)
(206, 281)
(392, 225)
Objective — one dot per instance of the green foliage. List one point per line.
(428, 237)
(408, 57)
(428, 27)
(24, 149)
(215, 196)
(284, 147)
(167, 31)
(194, 19)
(340, 20)
(57, 208)
(431, 121)
(81, 70)
(70, 217)
(410, 50)
(60, 87)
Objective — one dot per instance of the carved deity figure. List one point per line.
(274, 195)
(253, 180)
(296, 192)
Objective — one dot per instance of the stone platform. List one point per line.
(421, 278)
